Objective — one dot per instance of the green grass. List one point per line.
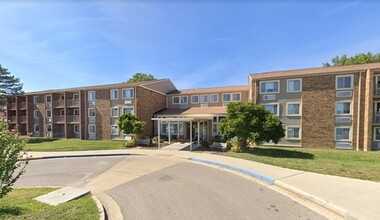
(43, 144)
(347, 163)
(19, 204)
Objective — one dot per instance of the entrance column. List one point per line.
(198, 129)
(191, 135)
(169, 132)
(158, 132)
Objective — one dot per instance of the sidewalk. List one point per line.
(351, 198)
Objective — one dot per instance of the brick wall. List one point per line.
(318, 111)
(103, 114)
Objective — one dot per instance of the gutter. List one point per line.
(358, 117)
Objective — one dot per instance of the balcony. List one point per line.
(23, 105)
(377, 90)
(376, 117)
(73, 118)
(58, 135)
(59, 104)
(23, 119)
(72, 103)
(13, 119)
(59, 119)
(12, 106)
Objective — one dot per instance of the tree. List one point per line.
(11, 153)
(360, 58)
(129, 124)
(140, 77)
(251, 122)
(9, 85)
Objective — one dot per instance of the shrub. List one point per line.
(234, 146)
(130, 143)
(204, 143)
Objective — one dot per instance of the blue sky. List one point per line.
(196, 44)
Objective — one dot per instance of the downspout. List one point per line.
(358, 119)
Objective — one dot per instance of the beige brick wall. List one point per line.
(318, 111)
(103, 114)
(148, 102)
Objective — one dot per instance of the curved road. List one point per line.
(179, 190)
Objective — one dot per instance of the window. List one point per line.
(128, 110)
(114, 94)
(91, 129)
(293, 109)
(48, 127)
(269, 87)
(294, 85)
(48, 98)
(76, 129)
(204, 98)
(48, 113)
(115, 130)
(91, 95)
(344, 82)
(128, 94)
(183, 99)
(76, 112)
(36, 113)
(376, 134)
(195, 99)
(114, 112)
(343, 108)
(76, 96)
(214, 98)
(179, 99)
(273, 108)
(36, 99)
(293, 133)
(91, 112)
(342, 134)
(226, 97)
(36, 128)
(236, 97)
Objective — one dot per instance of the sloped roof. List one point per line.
(194, 111)
(212, 90)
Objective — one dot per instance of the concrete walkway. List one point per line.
(350, 198)
(179, 146)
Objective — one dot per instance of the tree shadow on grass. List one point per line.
(10, 211)
(40, 140)
(280, 153)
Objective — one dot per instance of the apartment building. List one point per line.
(87, 112)
(329, 107)
(195, 113)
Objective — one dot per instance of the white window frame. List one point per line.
(36, 99)
(287, 85)
(48, 110)
(112, 93)
(46, 98)
(292, 103)
(117, 112)
(131, 107)
(90, 96)
(34, 128)
(204, 95)
(343, 127)
(76, 95)
(76, 110)
(118, 130)
(192, 99)
(180, 100)
(299, 132)
(89, 112)
(89, 129)
(262, 82)
(336, 108)
(36, 114)
(76, 132)
(217, 98)
(47, 127)
(229, 94)
(342, 76)
(232, 97)
(133, 93)
(273, 103)
(374, 134)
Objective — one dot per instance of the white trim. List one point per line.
(347, 101)
(76, 109)
(46, 98)
(293, 126)
(76, 94)
(88, 112)
(232, 96)
(125, 107)
(117, 112)
(34, 128)
(287, 85)
(76, 125)
(341, 76)
(115, 134)
(217, 98)
(89, 130)
(88, 95)
(34, 113)
(273, 103)
(179, 99)
(374, 134)
(269, 81)
(292, 103)
(226, 94)
(343, 140)
(122, 93)
(192, 99)
(47, 112)
(34, 99)
(111, 94)
(200, 98)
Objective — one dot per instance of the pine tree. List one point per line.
(9, 85)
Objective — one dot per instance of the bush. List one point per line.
(234, 146)
(204, 143)
(33, 140)
(130, 143)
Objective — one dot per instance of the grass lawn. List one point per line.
(347, 163)
(19, 204)
(44, 144)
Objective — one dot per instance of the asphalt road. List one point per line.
(190, 191)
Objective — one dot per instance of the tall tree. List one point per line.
(251, 122)
(360, 58)
(140, 77)
(9, 85)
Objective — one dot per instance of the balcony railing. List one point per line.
(377, 89)
(73, 118)
(59, 119)
(59, 103)
(23, 105)
(73, 102)
(376, 117)
(13, 119)
(13, 105)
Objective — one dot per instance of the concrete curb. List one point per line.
(101, 209)
(247, 172)
(77, 156)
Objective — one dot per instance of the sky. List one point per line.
(196, 44)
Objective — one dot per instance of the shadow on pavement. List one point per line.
(280, 153)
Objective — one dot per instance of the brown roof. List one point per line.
(319, 70)
(194, 111)
(211, 90)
